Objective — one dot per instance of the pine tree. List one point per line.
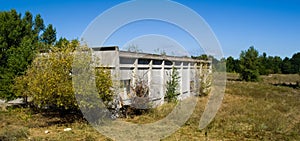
(249, 65)
(19, 43)
(49, 35)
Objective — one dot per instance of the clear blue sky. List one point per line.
(271, 26)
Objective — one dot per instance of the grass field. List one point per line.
(250, 111)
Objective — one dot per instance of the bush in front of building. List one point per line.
(48, 81)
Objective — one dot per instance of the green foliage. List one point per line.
(172, 85)
(276, 62)
(205, 81)
(201, 57)
(219, 66)
(19, 43)
(49, 35)
(48, 81)
(232, 65)
(268, 65)
(85, 84)
(249, 75)
(263, 60)
(295, 62)
(249, 63)
(38, 24)
(61, 43)
(286, 66)
(104, 84)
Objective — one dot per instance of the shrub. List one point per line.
(172, 85)
(48, 81)
(205, 81)
(140, 99)
(104, 84)
(249, 75)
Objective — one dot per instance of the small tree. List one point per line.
(104, 84)
(48, 81)
(249, 65)
(172, 85)
(205, 81)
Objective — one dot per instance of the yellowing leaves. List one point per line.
(48, 80)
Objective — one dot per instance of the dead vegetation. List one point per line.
(250, 111)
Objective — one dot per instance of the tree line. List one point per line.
(251, 64)
(266, 64)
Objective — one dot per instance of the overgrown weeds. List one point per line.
(250, 111)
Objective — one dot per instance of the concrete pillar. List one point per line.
(163, 85)
(210, 68)
(189, 79)
(181, 78)
(196, 81)
(116, 77)
(134, 72)
(200, 70)
(150, 77)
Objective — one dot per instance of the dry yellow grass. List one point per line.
(250, 111)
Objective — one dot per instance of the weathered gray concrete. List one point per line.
(130, 68)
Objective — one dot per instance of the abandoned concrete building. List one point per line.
(131, 68)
